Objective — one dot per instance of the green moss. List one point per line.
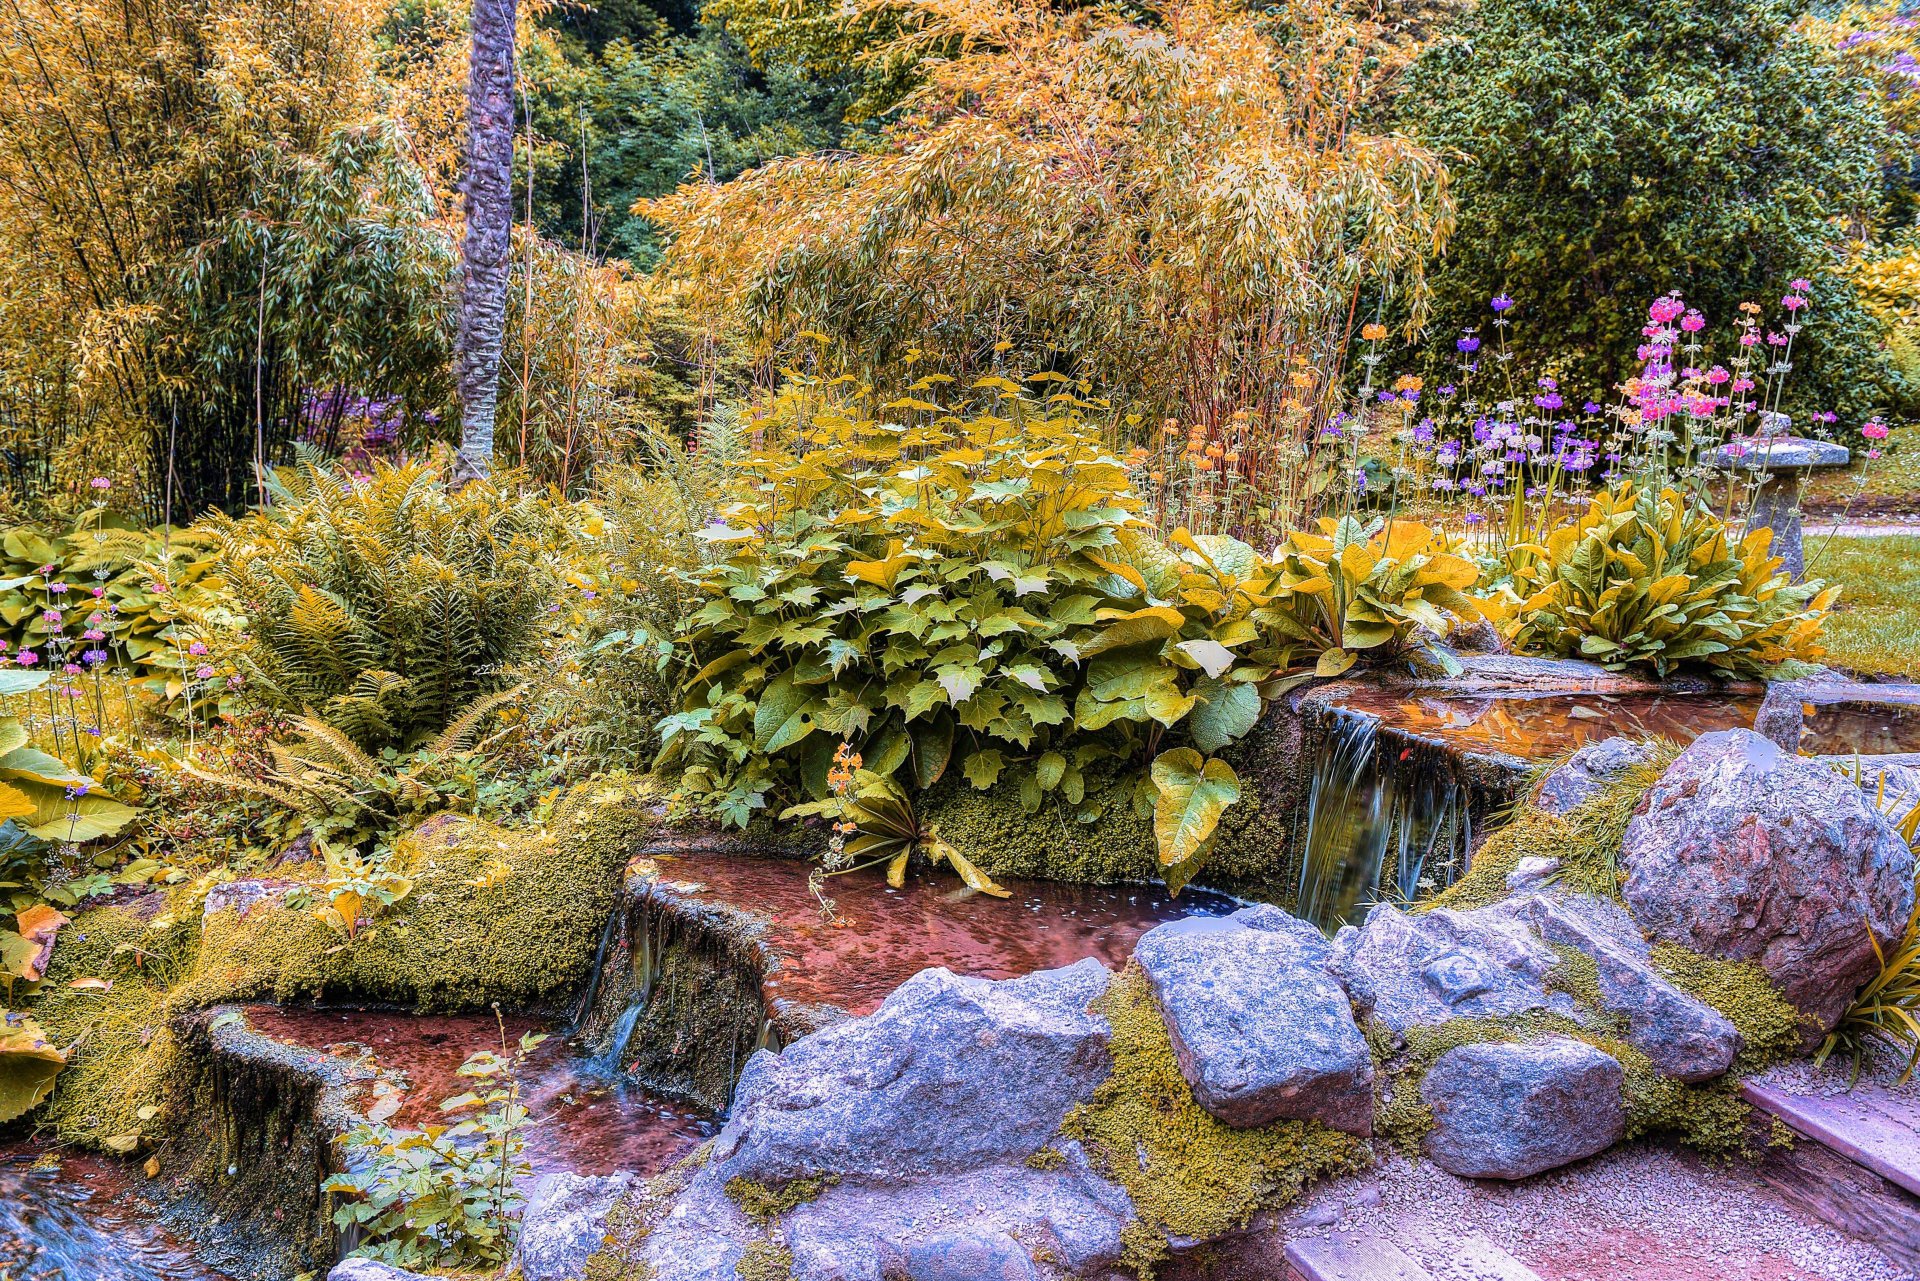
(1106, 838)
(1400, 1116)
(494, 915)
(630, 1221)
(1187, 1173)
(123, 1049)
(1743, 994)
(758, 1201)
(1586, 841)
(765, 1261)
(1048, 1158)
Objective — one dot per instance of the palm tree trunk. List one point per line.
(488, 186)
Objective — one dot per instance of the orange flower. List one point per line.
(1215, 451)
(1203, 464)
(1172, 428)
(1156, 476)
(1233, 459)
(1409, 382)
(1373, 331)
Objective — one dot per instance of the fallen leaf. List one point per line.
(152, 1167)
(121, 1143)
(38, 926)
(92, 985)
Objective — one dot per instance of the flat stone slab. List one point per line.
(1351, 1256)
(1781, 453)
(1868, 1124)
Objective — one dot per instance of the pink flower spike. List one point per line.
(100, 483)
(1800, 286)
(1793, 302)
(1874, 431)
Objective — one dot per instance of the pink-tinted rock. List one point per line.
(1743, 852)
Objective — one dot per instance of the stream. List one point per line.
(70, 1216)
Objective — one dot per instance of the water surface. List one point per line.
(71, 1216)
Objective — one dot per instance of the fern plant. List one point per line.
(382, 605)
(335, 791)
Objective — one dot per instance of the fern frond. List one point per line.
(459, 735)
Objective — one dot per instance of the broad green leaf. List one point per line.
(1333, 662)
(1193, 792)
(1224, 713)
(982, 769)
(932, 748)
(1049, 769)
(28, 1065)
(781, 718)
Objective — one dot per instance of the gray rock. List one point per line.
(948, 1074)
(1781, 453)
(1532, 873)
(1587, 772)
(565, 1222)
(369, 1270)
(1261, 1031)
(1889, 786)
(1068, 1222)
(1409, 970)
(1683, 1036)
(1743, 852)
(243, 898)
(1510, 1111)
(989, 1255)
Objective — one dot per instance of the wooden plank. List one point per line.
(1843, 1193)
(1351, 1256)
(1867, 1125)
(1479, 1259)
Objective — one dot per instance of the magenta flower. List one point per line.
(1693, 322)
(1800, 286)
(26, 658)
(1793, 302)
(100, 483)
(197, 648)
(204, 673)
(1874, 431)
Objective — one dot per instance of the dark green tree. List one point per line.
(1605, 152)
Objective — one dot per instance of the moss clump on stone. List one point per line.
(1400, 1116)
(1585, 841)
(765, 1204)
(1743, 994)
(1187, 1173)
(621, 1256)
(1047, 1158)
(765, 1261)
(123, 1047)
(494, 915)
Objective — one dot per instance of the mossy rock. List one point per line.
(1187, 1173)
(494, 916)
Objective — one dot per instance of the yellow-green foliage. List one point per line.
(494, 916)
(1649, 576)
(1187, 1173)
(122, 1044)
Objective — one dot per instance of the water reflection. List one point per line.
(71, 1217)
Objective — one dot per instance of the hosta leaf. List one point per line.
(1333, 662)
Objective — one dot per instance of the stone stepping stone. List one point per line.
(1868, 1125)
(1358, 1256)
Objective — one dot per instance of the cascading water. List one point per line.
(1383, 823)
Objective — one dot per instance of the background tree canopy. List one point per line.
(1607, 151)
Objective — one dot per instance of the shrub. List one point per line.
(1647, 576)
(1614, 149)
(973, 592)
(385, 604)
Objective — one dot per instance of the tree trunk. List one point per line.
(488, 185)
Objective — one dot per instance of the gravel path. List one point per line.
(1641, 1212)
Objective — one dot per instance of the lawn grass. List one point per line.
(1871, 486)
(1875, 630)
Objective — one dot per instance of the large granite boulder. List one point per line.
(1682, 1035)
(1260, 1029)
(564, 1222)
(950, 1073)
(1409, 969)
(1743, 852)
(1511, 1111)
(1063, 1221)
(1586, 773)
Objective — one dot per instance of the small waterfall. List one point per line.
(1383, 822)
(606, 1061)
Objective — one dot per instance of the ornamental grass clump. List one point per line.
(1651, 576)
